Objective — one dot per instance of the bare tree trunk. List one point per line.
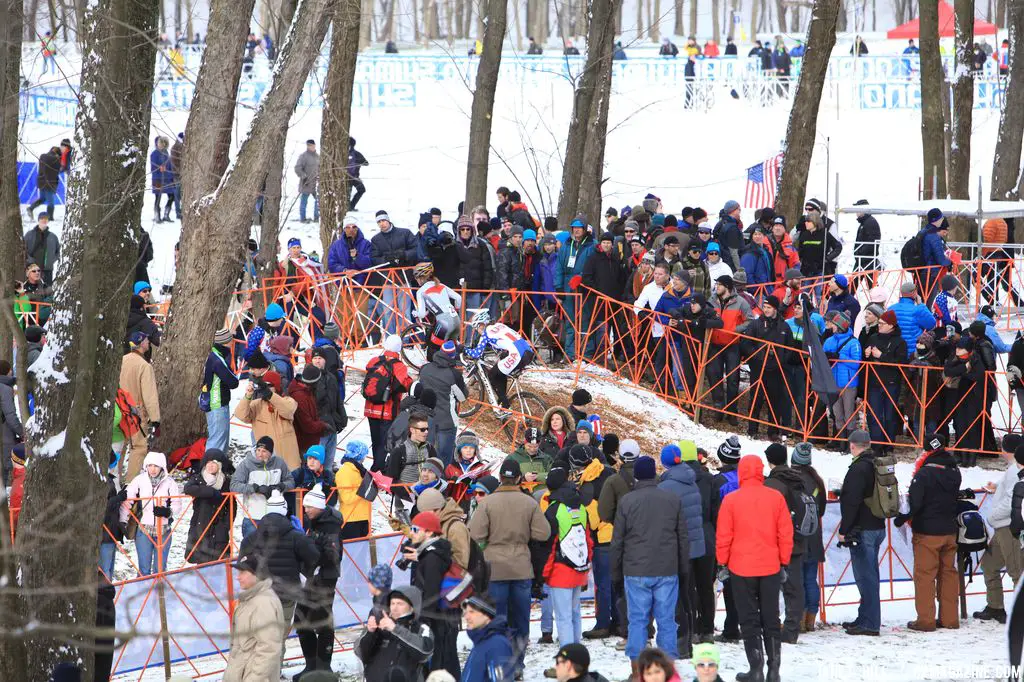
(71, 427)
(12, 246)
(216, 228)
(753, 18)
(803, 118)
(601, 34)
(1001, 18)
(656, 24)
(31, 19)
(640, 18)
(794, 19)
(51, 5)
(843, 20)
(583, 20)
(178, 14)
(366, 24)
(780, 6)
(693, 17)
(1006, 163)
(962, 115)
(716, 30)
(592, 177)
(517, 23)
(460, 16)
(933, 139)
(483, 104)
(678, 28)
(337, 121)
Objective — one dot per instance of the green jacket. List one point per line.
(539, 463)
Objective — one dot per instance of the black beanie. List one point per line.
(265, 442)
(556, 478)
(34, 333)
(776, 454)
(610, 444)
(581, 396)
(1011, 442)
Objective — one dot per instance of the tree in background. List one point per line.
(962, 116)
(1006, 162)
(933, 125)
(483, 104)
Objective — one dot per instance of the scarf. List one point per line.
(216, 480)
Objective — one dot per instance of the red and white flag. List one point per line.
(763, 182)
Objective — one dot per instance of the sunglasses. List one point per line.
(705, 664)
(465, 229)
(34, 272)
(421, 429)
(630, 229)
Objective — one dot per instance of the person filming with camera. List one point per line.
(862, 532)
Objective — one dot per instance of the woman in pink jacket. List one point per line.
(159, 498)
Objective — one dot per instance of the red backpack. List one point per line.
(131, 421)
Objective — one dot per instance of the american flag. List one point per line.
(762, 183)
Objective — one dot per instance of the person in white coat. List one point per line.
(1003, 550)
(155, 501)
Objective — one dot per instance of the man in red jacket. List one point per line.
(387, 366)
(754, 543)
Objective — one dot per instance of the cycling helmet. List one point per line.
(482, 317)
(425, 270)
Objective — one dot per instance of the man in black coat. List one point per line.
(702, 584)
(859, 525)
(605, 273)
(933, 511)
(47, 182)
(789, 482)
(866, 248)
(432, 555)
(444, 254)
(766, 366)
(722, 483)
(314, 616)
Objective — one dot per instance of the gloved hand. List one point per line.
(575, 281)
(783, 573)
(901, 519)
(264, 490)
(163, 512)
(723, 573)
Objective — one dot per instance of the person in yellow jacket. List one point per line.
(590, 475)
(355, 511)
(138, 380)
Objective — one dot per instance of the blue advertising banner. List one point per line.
(27, 172)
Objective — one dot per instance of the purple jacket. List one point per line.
(339, 259)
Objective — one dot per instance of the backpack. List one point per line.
(732, 482)
(131, 420)
(912, 253)
(457, 585)
(478, 567)
(884, 502)
(571, 544)
(972, 533)
(377, 382)
(804, 511)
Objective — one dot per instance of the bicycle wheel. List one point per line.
(530, 409)
(414, 345)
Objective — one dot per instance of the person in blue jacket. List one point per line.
(933, 252)
(491, 659)
(757, 263)
(844, 351)
(162, 176)
(571, 258)
(988, 316)
(544, 273)
(840, 299)
(912, 317)
(668, 311)
(351, 251)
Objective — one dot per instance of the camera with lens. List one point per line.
(261, 390)
(851, 540)
(403, 563)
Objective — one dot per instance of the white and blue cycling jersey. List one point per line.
(502, 338)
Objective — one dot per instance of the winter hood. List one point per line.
(750, 470)
(568, 424)
(156, 458)
(217, 455)
(878, 295)
(682, 473)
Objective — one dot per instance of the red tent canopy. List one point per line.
(912, 29)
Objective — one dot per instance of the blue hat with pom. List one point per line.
(529, 234)
(142, 286)
(356, 449)
(671, 455)
(274, 312)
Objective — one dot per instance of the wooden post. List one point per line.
(963, 586)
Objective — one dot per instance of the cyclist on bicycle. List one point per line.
(517, 350)
(436, 300)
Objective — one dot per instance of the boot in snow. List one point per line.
(773, 645)
(755, 657)
(156, 214)
(307, 642)
(325, 648)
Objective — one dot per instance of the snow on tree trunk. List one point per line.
(337, 120)
(962, 115)
(803, 117)
(483, 105)
(592, 176)
(78, 373)
(584, 116)
(218, 226)
(12, 247)
(1006, 162)
(933, 137)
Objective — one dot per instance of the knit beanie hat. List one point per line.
(557, 477)
(393, 343)
(776, 454)
(380, 577)
(688, 450)
(1011, 441)
(801, 454)
(584, 425)
(315, 498)
(644, 469)
(875, 309)
(729, 450)
(670, 455)
(434, 464)
(629, 450)
(331, 330)
(580, 456)
(581, 396)
(265, 442)
(276, 504)
(317, 453)
(430, 499)
(222, 337)
(889, 317)
(949, 283)
(610, 445)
